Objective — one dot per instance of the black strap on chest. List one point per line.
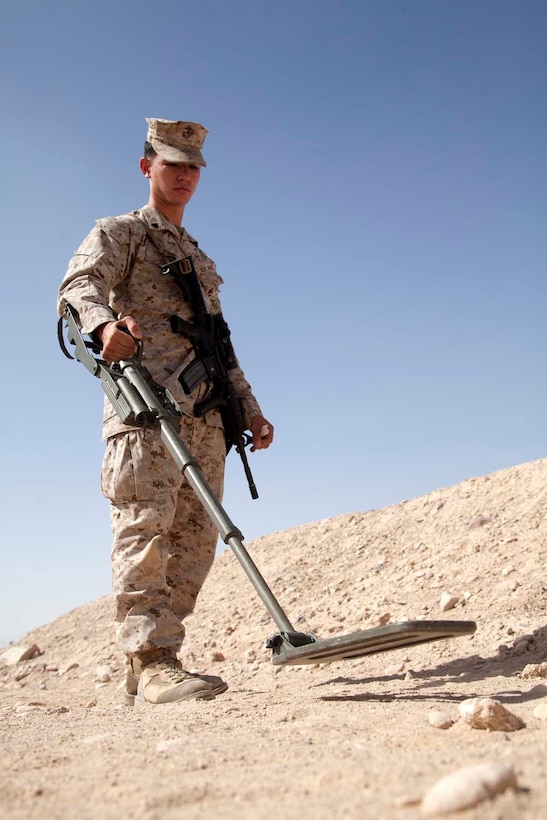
(214, 357)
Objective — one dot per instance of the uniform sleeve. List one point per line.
(99, 264)
(249, 403)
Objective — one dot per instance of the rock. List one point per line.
(439, 720)
(22, 652)
(396, 669)
(534, 670)
(68, 668)
(487, 713)
(103, 674)
(448, 601)
(478, 521)
(23, 673)
(468, 787)
(524, 643)
(23, 708)
(540, 711)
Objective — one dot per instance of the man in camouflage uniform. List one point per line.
(163, 541)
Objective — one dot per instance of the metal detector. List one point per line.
(139, 400)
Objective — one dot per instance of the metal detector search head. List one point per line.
(294, 649)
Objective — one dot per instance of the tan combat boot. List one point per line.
(165, 681)
(161, 679)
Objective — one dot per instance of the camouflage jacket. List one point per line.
(116, 272)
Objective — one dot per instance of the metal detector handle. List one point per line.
(126, 400)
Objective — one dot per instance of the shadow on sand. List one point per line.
(460, 671)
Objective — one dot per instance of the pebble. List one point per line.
(23, 708)
(17, 654)
(468, 787)
(535, 670)
(487, 713)
(540, 711)
(524, 643)
(448, 601)
(396, 669)
(439, 720)
(68, 668)
(478, 521)
(103, 674)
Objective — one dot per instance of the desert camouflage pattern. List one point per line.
(116, 272)
(177, 141)
(163, 541)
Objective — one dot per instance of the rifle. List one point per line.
(214, 358)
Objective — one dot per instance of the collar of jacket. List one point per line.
(157, 222)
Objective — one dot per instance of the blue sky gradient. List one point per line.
(375, 200)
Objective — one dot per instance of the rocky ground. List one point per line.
(367, 738)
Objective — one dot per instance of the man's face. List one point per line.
(171, 183)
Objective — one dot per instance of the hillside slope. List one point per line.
(350, 739)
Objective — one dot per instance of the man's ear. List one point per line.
(144, 165)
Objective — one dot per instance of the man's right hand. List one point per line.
(117, 339)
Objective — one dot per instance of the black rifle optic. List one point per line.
(214, 358)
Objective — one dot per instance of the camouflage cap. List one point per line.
(177, 141)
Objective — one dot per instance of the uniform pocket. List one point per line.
(137, 467)
(117, 476)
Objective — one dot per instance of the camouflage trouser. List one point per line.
(163, 540)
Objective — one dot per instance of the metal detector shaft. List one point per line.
(190, 469)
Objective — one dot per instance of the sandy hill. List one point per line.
(350, 739)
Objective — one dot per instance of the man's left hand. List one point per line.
(262, 432)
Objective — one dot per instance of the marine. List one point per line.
(163, 543)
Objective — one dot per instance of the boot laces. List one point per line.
(173, 669)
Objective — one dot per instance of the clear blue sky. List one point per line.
(375, 200)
